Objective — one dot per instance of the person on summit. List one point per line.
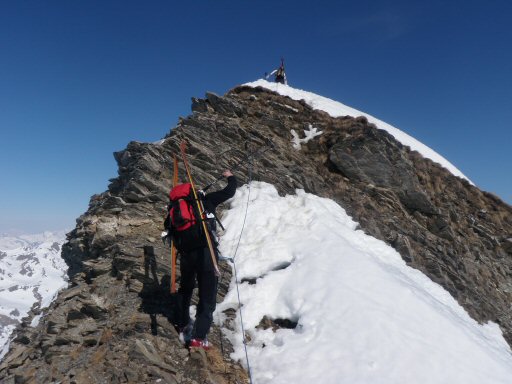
(279, 74)
(196, 264)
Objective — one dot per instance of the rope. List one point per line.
(236, 273)
(248, 158)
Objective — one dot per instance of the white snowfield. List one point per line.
(363, 315)
(337, 109)
(31, 273)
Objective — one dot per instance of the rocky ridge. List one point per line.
(114, 323)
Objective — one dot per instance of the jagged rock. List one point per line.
(95, 268)
(71, 292)
(136, 286)
(417, 201)
(145, 351)
(199, 105)
(276, 324)
(53, 328)
(74, 314)
(114, 202)
(162, 374)
(90, 341)
(224, 105)
(15, 358)
(123, 158)
(403, 246)
(22, 339)
(507, 245)
(67, 339)
(94, 310)
(374, 168)
(440, 227)
(131, 375)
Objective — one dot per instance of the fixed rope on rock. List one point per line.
(251, 156)
(244, 339)
(248, 158)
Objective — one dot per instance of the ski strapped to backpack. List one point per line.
(198, 210)
(173, 245)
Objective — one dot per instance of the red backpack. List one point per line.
(185, 220)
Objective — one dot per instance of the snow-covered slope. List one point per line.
(31, 274)
(336, 109)
(363, 315)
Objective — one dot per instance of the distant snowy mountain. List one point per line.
(31, 273)
(10, 242)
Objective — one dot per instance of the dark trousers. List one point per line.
(197, 264)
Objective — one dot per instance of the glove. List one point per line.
(166, 238)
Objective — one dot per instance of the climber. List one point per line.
(280, 74)
(196, 263)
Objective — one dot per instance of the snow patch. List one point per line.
(310, 134)
(362, 315)
(35, 321)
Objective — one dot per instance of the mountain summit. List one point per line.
(114, 322)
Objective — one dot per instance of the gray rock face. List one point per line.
(115, 323)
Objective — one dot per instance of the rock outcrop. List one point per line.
(114, 323)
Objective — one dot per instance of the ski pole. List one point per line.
(173, 247)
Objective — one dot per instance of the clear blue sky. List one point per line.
(80, 79)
